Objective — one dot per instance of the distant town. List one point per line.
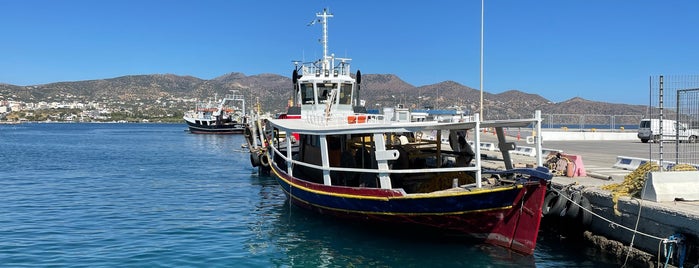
(167, 111)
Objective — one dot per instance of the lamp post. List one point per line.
(482, 12)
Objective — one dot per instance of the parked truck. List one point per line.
(649, 130)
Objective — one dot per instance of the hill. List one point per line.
(379, 90)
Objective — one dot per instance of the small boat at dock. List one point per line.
(331, 157)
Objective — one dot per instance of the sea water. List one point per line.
(153, 195)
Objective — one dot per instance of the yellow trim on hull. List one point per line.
(399, 214)
(407, 196)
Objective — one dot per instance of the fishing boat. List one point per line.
(381, 169)
(224, 117)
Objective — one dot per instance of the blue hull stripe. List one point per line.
(437, 204)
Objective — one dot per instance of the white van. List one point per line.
(649, 130)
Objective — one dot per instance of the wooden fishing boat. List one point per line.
(382, 168)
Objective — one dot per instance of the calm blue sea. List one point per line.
(153, 195)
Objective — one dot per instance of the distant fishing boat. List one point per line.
(378, 169)
(224, 117)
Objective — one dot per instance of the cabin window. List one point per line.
(312, 141)
(346, 94)
(307, 93)
(324, 90)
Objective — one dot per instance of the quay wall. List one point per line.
(558, 135)
(653, 222)
(549, 134)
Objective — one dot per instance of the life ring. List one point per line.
(254, 159)
(585, 215)
(553, 204)
(264, 160)
(573, 206)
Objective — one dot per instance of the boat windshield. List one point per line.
(324, 91)
(307, 93)
(346, 94)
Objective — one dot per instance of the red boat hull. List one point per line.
(508, 217)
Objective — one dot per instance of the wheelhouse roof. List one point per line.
(302, 126)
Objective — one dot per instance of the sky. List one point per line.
(598, 50)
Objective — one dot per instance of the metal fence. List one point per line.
(675, 98)
(591, 121)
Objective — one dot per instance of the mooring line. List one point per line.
(609, 221)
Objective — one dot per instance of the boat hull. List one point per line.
(508, 216)
(233, 128)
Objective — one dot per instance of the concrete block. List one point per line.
(668, 185)
(579, 170)
(488, 146)
(628, 163)
(525, 150)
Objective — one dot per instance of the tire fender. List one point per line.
(585, 215)
(264, 160)
(573, 207)
(254, 159)
(553, 204)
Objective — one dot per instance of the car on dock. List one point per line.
(650, 130)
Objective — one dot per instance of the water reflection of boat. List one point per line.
(310, 241)
(224, 117)
(377, 168)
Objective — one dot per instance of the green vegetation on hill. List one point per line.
(164, 97)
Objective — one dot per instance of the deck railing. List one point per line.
(344, 120)
(372, 170)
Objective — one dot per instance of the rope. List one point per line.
(675, 244)
(614, 225)
(667, 256)
(638, 219)
(555, 163)
(635, 230)
(609, 221)
(658, 265)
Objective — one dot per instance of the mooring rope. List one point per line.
(614, 224)
(638, 219)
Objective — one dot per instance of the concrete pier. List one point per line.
(642, 224)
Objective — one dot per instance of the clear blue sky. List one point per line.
(595, 49)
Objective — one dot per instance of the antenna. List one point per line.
(324, 16)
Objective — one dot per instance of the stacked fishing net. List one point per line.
(634, 181)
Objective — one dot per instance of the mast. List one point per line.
(325, 15)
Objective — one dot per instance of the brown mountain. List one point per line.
(273, 91)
